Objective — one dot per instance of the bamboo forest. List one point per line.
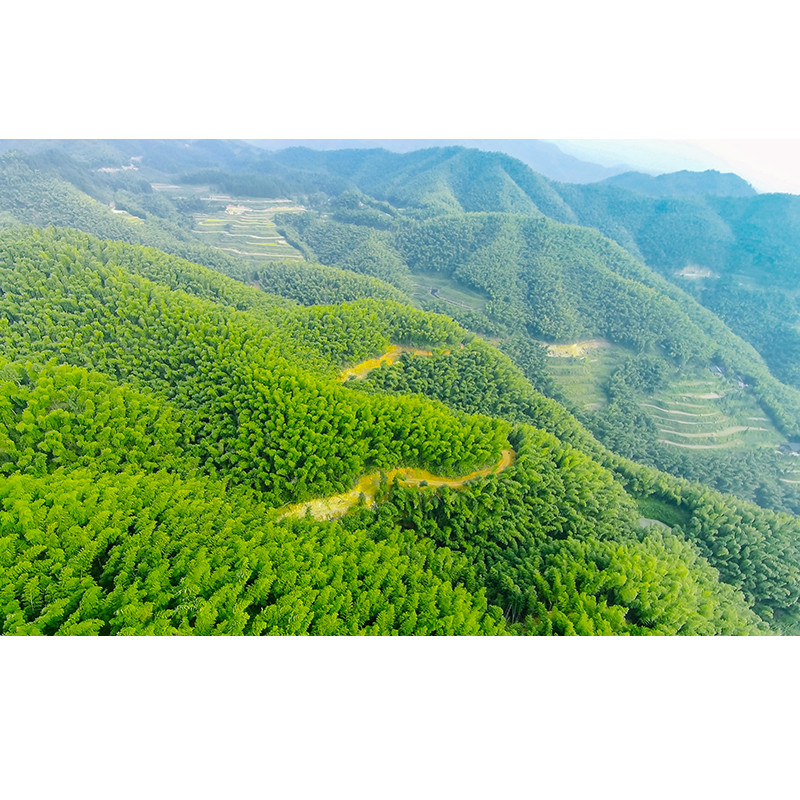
(361, 392)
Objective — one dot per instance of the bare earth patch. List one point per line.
(693, 272)
(577, 349)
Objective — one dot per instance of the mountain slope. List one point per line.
(363, 236)
(255, 404)
(235, 408)
(753, 240)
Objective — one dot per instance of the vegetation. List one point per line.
(158, 418)
(749, 545)
(151, 435)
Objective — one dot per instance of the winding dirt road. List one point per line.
(360, 371)
(337, 505)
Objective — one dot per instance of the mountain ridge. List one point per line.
(542, 156)
(683, 183)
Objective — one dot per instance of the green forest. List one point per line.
(164, 401)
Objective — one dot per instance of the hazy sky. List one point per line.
(770, 165)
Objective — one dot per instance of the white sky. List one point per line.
(722, 84)
(770, 165)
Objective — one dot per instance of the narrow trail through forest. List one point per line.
(360, 371)
(337, 505)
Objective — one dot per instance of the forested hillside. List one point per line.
(33, 191)
(683, 183)
(162, 419)
(157, 417)
(708, 233)
(527, 282)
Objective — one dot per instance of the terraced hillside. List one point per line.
(708, 412)
(243, 226)
(581, 370)
(453, 294)
(791, 472)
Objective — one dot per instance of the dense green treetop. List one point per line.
(755, 550)
(156, 416)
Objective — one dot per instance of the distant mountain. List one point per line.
(542, 156)
(724, 236)
(757, 235)
(146, 155)
(684, 183)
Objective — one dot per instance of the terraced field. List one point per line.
(789, 469)
(701, 412)
(708, 412)
(244, 226)
(581, 369)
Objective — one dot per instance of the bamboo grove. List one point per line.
(156, 416)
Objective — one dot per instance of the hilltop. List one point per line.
(684, 183)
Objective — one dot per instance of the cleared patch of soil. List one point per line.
(576, 349)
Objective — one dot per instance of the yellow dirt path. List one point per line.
(360, 371)
(338, 505)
